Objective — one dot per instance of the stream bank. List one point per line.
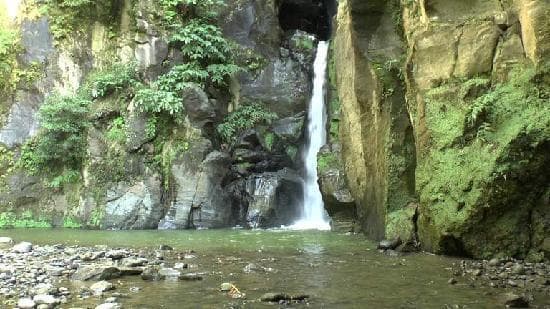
(190, 268)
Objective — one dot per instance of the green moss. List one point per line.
(7, 165)
(71, 223)
(457, 178)
(292, 152)
(68, 17)
(269, 140)
(24, 220)
(326, 161)
(96, 217)
(400, 224)
(303, 43)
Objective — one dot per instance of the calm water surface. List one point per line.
(338, 271)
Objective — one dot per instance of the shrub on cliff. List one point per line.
(59, 149)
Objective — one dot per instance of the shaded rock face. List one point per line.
(134, 207)
(284, 83)
(375, 130)
(22, 121)
(310, 16)
(421, 163)
(338, 200)
(199, 201)
(273, 198)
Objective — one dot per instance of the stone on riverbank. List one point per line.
(101, 287)
(46, 299)
(5, 242)
(25, 303)
(22, 247)
(109, 306)
(95, 272)
(512, 300)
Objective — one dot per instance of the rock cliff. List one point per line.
(445, 122)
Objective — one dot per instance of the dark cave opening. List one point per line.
(312, 16)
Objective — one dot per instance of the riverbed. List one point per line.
(335, 270)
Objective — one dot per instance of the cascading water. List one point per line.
(314, 215)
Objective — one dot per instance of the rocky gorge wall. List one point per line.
(143, 169)
(445, 123)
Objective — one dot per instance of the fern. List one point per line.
(243, 119)
(152, 100)
(202, 42)
(115, 78)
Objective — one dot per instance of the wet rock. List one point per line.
(96, 272)
(169, 273)
(134, 262)
(151, 273)
(130, 271)
(165, 248)
(5, 242)
(102, 286)
(46, 300)
(116, 254)
(274, 297)
(512, 300)
(109, 306)
(44, 288)
(494, 262)
(25, 303)
(180, 266)
(226, 286)
(518, 269)
(22, 247)
(111, 300)
(389, 244)
(191, 277)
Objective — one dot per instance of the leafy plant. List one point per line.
(114, 78)
(244, 118)
(202, 42)
(175, 10)
(158, 101)
(117, 131)
(60, 146)
(8, 49)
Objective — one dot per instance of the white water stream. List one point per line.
(314, 215)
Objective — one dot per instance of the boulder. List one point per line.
(134, 262)
(272, 197)
(512, 300)
(5, 242)
(46, 299)
(22, 247)
(134, 206)
(96, 272)
(25, 303)
(200, 109)
(109, 306)
(102, 286)
(200, 199)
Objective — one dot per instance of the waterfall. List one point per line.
(314, 216)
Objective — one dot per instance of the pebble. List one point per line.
(452, 281)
